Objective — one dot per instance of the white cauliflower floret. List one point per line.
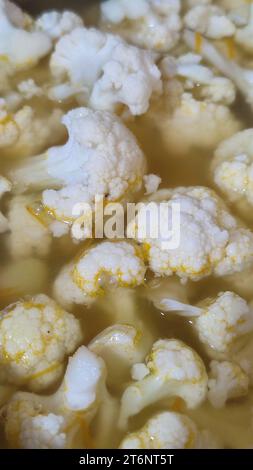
(103, 71)
(36, 335)
(28, 234)
(152, 183)
(209, 239)
(19, 47)
(101, 157)
(226, 381)
(24, 132)
(43, 432)
(219, 321)
(197, 124)
(30, 420)
(154, 24)
(17, 278)
(121, 346)
(168, 430)
(244, 36)
(212, 88)
(242, 77)
(56, 23)
(29, 89)
(5, 187)
(232, 169)
(173, 370)
(209, 20)
(106, 265)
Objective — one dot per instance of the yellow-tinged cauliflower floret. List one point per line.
(169, 430)
(103, 71)
(36, 335)
(28, 234)
(226, 381)
(101, 267)
(121, 346)
(210, 20)
(209, 240)
(101, 157)
(153, 24)
(58, 23)
(172, 370)
(24, 132)
(232, 170)
(19, 46)
(5, 187)
(59, 420)
(219, 321)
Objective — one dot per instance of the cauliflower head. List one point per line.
(168, 430)
(103, 72)
(210, 240)
(103, 266)
(58, 23)
(153, 24)
(232, 169)
(226, 381)
(101, 157)
(20, 47)
(36, 335)
(5, 187)
(56, 421)
(172, 370)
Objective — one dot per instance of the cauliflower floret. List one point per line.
(219, 321)
(101, 157)
(154, 24)
(17, 278)
(19, 47)
(28, 234)
(226, 381)
(237, 11)
(223, 320)
(121, 346)
(173, 370)
(106, 265)
(103, 71)
(244, 36)
(24, 132)
(30, 420)
(210, 87)
(209, 20)
(29, 89)
(56, 23)
(36, 335)
(242, 78)
(168, 430)
(5, 187)
(197, 124)
(152, 183)
(210, 240)
(232, 170)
